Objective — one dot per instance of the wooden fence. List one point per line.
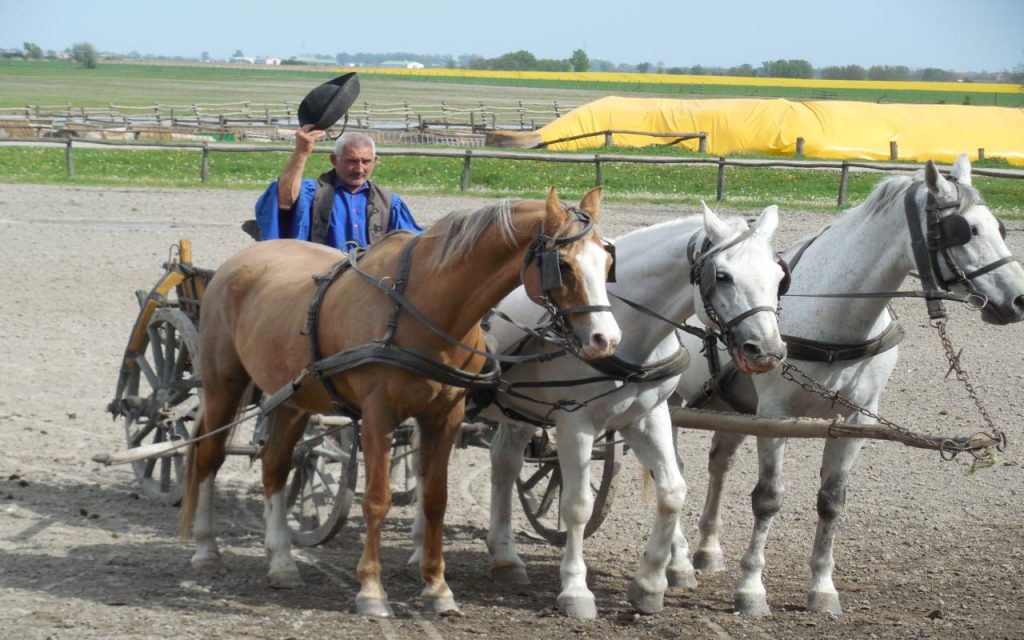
(238, 121)
(468, 155)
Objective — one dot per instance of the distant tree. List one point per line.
(450, 62)
(932, 74)
(602, 65)
(787, 69)
(579, 60)
(677, 71)
(1018, 75)
(33, 51)
(643, 67)
(551, 64)
(238, 54)
(205, 56)
(84, 54)
(846, 72)
(698, 70)
(742, 71)
(887, 72)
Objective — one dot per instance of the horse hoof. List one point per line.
(210, 565)
(373, 608)
(751, 604)
(578, 607)
(684, 579)
(512, 574)
(443, 606)
(285, 580)
(708, 562)
(644, 601)
(824, 602)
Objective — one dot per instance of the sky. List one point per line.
(981, 35)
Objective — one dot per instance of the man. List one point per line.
(339, 207)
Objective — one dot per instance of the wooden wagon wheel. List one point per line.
(161, 399)
(322, 485)
(540, 485)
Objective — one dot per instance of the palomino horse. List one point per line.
(254, 328)
(869, 249)
(737, 281)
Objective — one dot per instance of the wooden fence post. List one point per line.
(607, 139)
(843, 173)
(981, 153)
(799, 147)
(598, 177)
(702, 146)
(720, 191)
(70, 159)
(204, 163)
(464, 180)
(893, 150)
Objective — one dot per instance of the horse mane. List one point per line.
(458, 232)
(891, 191)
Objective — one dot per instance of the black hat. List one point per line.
(325, 105)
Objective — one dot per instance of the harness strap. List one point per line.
(829, 352)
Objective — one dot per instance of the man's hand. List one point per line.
(305, 136)
(291, 178)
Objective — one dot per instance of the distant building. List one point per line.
(267, 61)
(401, 64)
(242, 60)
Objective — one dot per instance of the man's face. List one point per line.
(353, 166)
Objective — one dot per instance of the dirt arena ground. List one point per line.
(924, 549)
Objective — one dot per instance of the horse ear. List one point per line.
(591, 203)
(553, 204)
(932, 178)
(713, 225)
(767, 222)
(961, 169)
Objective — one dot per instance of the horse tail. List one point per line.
(190, 483)
(646, 487)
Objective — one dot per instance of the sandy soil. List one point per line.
(924, 550)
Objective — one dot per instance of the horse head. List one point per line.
(971, 255)
(739, 279)
(567, 272)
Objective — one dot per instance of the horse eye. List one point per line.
(723, 277)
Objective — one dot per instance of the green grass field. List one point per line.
(48, 83)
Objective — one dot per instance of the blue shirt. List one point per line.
(348, 217)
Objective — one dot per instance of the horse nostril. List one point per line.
(600, 341)
(1018, 303)
(752, 350)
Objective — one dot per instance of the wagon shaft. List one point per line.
(687, 418)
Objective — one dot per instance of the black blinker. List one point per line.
(787, 277)
(550, 270)
(955, 231)
(610, 248)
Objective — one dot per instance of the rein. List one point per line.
(618, 370)
(543, 248)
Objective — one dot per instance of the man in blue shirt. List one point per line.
(340, 206)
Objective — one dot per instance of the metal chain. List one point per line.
(811, 385)
(996, 433)
(948, 450)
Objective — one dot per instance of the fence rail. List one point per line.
(468, 155)
(237, 121)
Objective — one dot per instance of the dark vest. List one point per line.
(378, 210)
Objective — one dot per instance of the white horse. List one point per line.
(738, 280)
(868, 249)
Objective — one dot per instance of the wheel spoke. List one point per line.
(542, 472)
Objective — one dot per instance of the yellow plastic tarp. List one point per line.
(832, 129)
